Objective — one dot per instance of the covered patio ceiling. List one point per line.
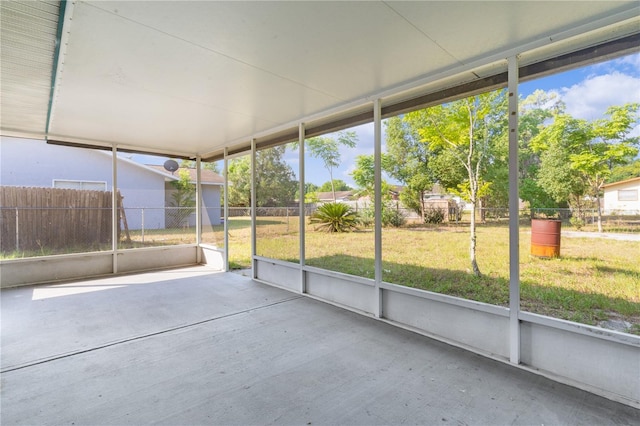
(190, 78)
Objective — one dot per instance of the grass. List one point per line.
(593, 280)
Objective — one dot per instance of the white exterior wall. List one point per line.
(34, 163)
(611, 203)
(211, 211)
(211, 207)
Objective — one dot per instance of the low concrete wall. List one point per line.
(35, 270)
(280, 273)
(134, 260)
(475, 325)
(352, 292)
(47, 269)
(607, 362)
(212, 257)
(600, 361)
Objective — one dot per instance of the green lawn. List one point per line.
(593, 280)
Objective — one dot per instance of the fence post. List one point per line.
(17, 230)
(142, 224)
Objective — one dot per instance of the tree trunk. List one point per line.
(599, 213)
(472, 245)
(333, 188)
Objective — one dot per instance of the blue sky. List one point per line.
(587, 93)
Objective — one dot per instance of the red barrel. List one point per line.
(545, 237)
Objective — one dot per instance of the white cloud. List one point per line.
(590, 98)
(632, 60)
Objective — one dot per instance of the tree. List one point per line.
(408, 160)
(364, 176)
(467, 131)
(310, 193)
(183, 197)
(609, 145)
(624, 172)
(190, 164)
(275, 180)
(578, 156)
(337, 184)
(328, 150)
(239, 177)
(555, 175)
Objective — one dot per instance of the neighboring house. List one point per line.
(622, 197)
(146, 190)
(327, 197)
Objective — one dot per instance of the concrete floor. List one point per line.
(192, 346)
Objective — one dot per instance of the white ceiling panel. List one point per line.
(338, 48)
(471, 30)
(193, 77)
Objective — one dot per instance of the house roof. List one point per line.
(621, 182)
(340, 195)
(187, 78)
(206, 176)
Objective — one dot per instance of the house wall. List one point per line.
(211, 211)
(612, 205)
(28, 162)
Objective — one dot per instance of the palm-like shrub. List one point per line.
(335, 217)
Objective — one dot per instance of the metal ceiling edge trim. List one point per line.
(415, 84)
(57, 59)
(121, 148)
(596, 53)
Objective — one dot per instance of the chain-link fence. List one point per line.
(41, 231)
(28, 231)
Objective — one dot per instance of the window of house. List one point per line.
(87, 185)
(628, 195)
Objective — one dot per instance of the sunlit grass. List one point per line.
(593, 280)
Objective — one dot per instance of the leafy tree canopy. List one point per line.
(624, 172)
(337, 184)
(190, 164)
(275, 180)
(327, 148)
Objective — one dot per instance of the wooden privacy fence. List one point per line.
(53, 219)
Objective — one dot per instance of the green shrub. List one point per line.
(335, 217)
(434, 215)
(576, 222)
(391, 216)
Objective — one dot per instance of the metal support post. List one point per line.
(301, 206)
(253, 209)
(17, 229)
(226, 210)
(198, 210)
(377, 154)
(514, 229)
(114, 207)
